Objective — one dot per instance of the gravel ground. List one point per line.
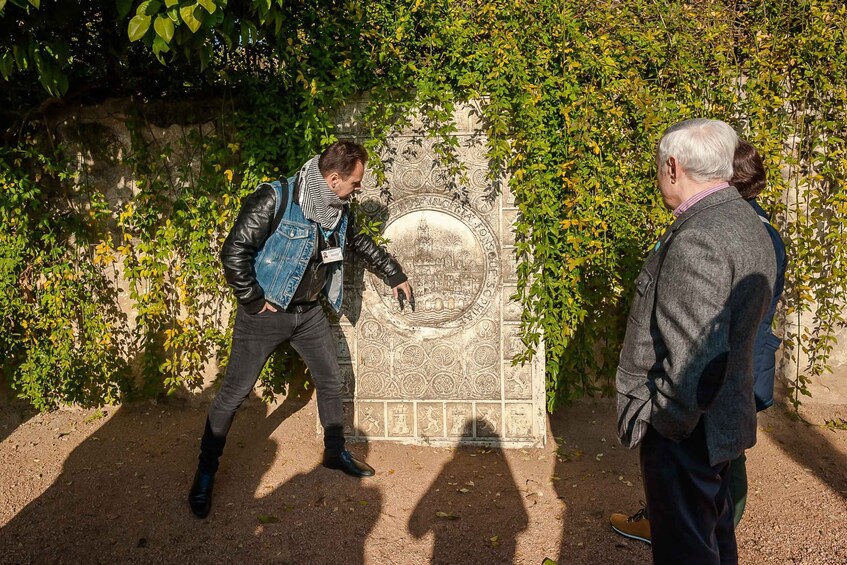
(82, 486)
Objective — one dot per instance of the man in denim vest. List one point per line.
(285, 250)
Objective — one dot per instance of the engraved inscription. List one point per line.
(519, 420)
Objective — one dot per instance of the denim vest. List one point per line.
(282, 259)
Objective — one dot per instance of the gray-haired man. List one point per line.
(684, 380)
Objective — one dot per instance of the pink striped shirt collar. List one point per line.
(679, 210)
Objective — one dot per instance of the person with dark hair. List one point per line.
(284, 252)
(749, 179)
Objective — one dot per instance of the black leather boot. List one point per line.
(336, 457)
(200, 495)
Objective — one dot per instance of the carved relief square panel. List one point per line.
(519, 420)
(371, 419)
(518, 382)
(401, 419)
(349, 426)
(344, 344)
(460, 419)
(430, 419)
(512, 309)
(510, 218)
(488, 420)
(348, 380)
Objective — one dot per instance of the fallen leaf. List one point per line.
(264, 519)
(447, 515)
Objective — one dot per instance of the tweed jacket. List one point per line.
(688, 350)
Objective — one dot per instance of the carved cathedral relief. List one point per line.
(442, 373)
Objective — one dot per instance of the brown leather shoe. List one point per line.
(636, 526)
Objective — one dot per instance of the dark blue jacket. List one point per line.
(764, 349)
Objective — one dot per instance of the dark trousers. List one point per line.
(688, 501)
(254, 338)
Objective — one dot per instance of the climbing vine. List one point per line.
(573, 98)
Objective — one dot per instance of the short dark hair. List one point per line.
(341, 157)
(748, 171)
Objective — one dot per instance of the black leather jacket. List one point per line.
(254, 225)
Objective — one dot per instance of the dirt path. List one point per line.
(75, 487)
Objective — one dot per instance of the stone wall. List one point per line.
(440, 374)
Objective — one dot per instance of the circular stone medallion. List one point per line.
(451, 256)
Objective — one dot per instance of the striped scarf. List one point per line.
(318, 201)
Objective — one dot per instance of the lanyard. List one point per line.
(326, 234)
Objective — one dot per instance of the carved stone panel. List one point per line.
(441, 373)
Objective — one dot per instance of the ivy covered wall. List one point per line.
(573, 97)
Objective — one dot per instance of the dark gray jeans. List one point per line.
(254, 338)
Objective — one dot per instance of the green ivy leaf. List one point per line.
(164, 28)
(138, 26)
(209, 5)
(148, 8)
(159, 47)
(188, 16)
(2, 4)
(36, 3)
(171, 3)
(7, 63)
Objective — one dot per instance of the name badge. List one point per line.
(332, 254)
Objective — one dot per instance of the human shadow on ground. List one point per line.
(321, 516)
(593, 477)
(131, 476)
(473, 509)
(806, 443)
